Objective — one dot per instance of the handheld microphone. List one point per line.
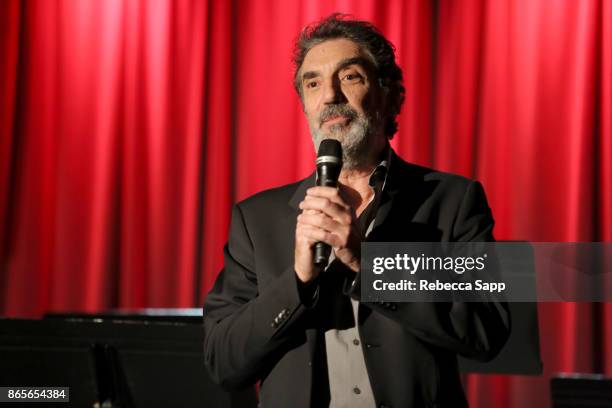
(329, 164)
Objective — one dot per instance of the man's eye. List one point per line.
(312, 84)
(352, 77)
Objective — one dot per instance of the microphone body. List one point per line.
(329, 164)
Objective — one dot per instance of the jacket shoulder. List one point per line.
(272, 200)
(420, 174)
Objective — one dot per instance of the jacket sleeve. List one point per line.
(473, 329)
(246, 330)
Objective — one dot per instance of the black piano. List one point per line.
(152, 358)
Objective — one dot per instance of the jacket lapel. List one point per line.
(392, 186)
(300, 192)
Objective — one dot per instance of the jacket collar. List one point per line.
(300, 192)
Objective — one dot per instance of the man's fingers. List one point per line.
(319, 220)
(309, 233)
(331, 193)
(337, 211)
(320, 191)
(313, 234)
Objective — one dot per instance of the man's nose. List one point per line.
(332, 92)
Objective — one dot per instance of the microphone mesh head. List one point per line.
(330, 147)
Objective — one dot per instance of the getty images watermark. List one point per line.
(413, 264)
(481, 271)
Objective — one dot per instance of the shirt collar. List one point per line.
(378, 177)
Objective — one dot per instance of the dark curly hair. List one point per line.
(371, 41)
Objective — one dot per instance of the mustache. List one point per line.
(332, 111)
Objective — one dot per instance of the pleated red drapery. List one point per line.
(128, 128)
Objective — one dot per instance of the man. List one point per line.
(302, 331)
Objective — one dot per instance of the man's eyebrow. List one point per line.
(310, 74)
(364, 62)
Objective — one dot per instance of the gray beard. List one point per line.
(355, 142)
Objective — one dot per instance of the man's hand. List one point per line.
(326, 217)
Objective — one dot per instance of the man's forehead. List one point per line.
(330, 52)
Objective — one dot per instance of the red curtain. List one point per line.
(128, 128)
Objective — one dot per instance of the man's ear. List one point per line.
(395, 99)
(384, 85)
(384, 95)
(386, 91)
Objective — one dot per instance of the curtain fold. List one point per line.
(129, 128)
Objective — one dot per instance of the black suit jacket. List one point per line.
(258, 327)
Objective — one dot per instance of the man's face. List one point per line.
(343, 101)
